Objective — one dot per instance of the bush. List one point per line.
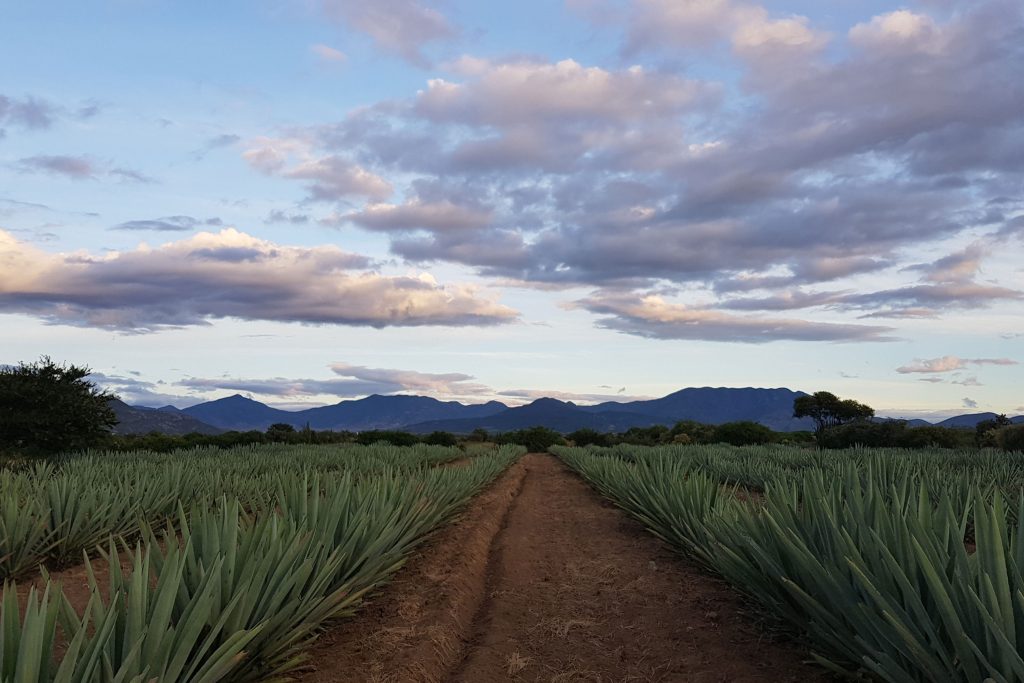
(281, 432)
(394, 438)
(441, 439)
(647, 436)
(1010, 438)
(895, 434)
(46, 408)
(743, 433)
(536, 439)
(589, 437)
(691, 431)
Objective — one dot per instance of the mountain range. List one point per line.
(422, 414)
(142, 420)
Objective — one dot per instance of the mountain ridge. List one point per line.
(772, 407)
(142, 420)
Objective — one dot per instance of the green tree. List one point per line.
(829, 411)
(1010, 438)
(743, 433)
(479, 434)
(985, 431)
(47, 408)
(691, 431)
(280, 432)
(588, 437)
(441, 439)
(536, 439)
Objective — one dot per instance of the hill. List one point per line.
(422, 414)
(139, 420)
(971, 420)
(372, 412)
(544, 412)
(716, 405)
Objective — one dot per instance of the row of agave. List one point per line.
(870, 564)
(222, 592)
(51, 512)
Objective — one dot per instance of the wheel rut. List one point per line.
(540, 579)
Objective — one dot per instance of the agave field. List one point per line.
(906, 566)
(222, 564)
(225, 565)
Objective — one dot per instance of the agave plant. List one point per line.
(867, 557)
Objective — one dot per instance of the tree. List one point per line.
(280, 432)
(743, 433)
(47, 408)
(441, 439)
(691, 431)
(985, 431)
(588, 437)
(829, 411)
(479, 434)
(536, 439)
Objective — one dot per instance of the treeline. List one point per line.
(998, 433)
(276, 433)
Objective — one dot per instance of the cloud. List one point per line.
(359, 380)
(278, 216)
(969, 403)
(351, 381)
(284, 387)
(653, 317)
(752, 33)
(330, 177)
(400, 27)
(30, 113)
(78, 168)
(222, 140)
(523, 93)
(227, 274)
(899, 31)
(167, 224)
(946, 284)
(417, 215)
(450, 383)
(830, 157)
(575, 397)
(137, 392)
(328, 54)
(949, 364)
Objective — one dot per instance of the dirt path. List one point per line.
(542, 580)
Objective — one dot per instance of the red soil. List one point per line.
(540, 579)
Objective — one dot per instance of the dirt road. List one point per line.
(540, 579)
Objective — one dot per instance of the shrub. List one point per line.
(47, 408)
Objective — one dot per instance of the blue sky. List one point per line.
(313, 200)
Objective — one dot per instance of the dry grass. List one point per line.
(516, 663)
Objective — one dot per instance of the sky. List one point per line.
(305, 201)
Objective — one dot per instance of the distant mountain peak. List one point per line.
(772, 407)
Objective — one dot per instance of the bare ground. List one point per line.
(540, 579)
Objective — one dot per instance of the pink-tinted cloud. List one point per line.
(949, 364)
(227, 274)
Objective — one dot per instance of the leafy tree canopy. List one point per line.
(47, 408)
(828, 411)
